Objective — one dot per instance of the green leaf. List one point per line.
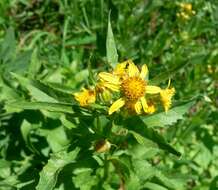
(112, 56)
(49, 106)
(49, 174)
(120, 167)
(66, 122)
(26, 129)
(138, 126)
(8, 46)
(81, 41)
(170, 181)
(214, 183)
(154, 186)
(54, 107)
(57, 138)
(42, 91)
(35, 64)
(20, 63)
(5, 168)
(84, 179)
(133, 182)
(36, 93)
(140, 166)
(141, 140)
(172, 116)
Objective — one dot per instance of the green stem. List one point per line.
(106, 167)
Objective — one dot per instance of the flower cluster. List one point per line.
(186, 11)
(129, 88)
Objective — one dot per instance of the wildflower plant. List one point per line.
(113, 125)
(126, 107)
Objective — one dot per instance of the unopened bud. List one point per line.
(102, 146)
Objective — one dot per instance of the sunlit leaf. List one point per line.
(49, 174)
(112, 56)
(137, 125)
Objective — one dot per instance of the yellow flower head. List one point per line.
(166, 96)
(85, 97)
(186, 7)
(132, 86)
(186, 11)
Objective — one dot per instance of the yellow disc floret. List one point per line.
(133, 88)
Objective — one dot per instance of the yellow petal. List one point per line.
(133, 70)
(116, 106)
(144, 71)
(121, 68)
(144, 104)
(151, 108)
(166, 96)
(138, 107)
(113, 87)
(85, 97)
(108, 77)
(153, 89)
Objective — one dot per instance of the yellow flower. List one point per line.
(121, 68)
(185, 11)
(187, 7)
(166, 96)
(132, 86)
(86, 97)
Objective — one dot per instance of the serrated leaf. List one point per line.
(84, 180)
(137, 125)
(112, 56)
(49, 174)
(172, 116)
(133, 182)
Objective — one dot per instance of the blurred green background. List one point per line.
(58, 41)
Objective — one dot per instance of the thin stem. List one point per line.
(106, 167)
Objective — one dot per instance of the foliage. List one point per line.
(51, 49)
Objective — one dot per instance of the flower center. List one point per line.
(133, 88)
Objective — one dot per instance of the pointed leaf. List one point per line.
(49, 174)
(112, 56)
(137, 125)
